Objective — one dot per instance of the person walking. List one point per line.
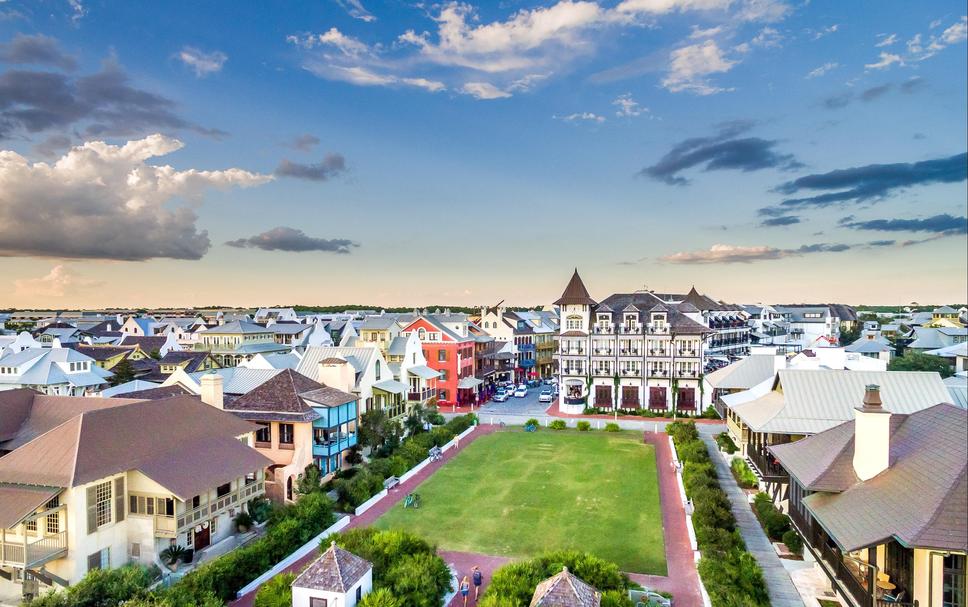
(478, 579)
(465, 589)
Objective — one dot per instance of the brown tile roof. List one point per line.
(17, 501)
(329, 397)
(921, 499)
(565, 589)
(102, 352)
(156, 393)
(336, 570)
(182, 443)
(147, 343)
(195, 359)
(25, 414)
(575, 293)
(282, 393)
(14, 409)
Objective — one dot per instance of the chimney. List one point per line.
(872, 435)
(336, 373)
(211, 391)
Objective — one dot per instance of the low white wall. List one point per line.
(299, 553)
(411, 472)
(693, 544)
(370, 503)
(456, 440)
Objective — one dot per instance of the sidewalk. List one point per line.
(554, 411)
(778, 583)
(395, 495)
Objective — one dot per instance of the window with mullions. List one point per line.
(953, 581)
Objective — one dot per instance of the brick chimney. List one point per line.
(872, 435)
(211, 391)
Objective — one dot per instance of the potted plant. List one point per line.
(172, 555)
(243, 521)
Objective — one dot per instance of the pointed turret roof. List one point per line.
(575, 293)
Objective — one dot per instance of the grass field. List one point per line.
(518, 494)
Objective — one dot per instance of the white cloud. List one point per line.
(105, 201)
(886, 40)
(483, 90)
(725, 253)
(767, 38)
(582, 117)
(203, 63)
(356, 10)
(333, 38)
(823, 69)
(885, 61)
(826, 31)
(628, 107)
(745, 10)
(956, 33)
(699, 33)
(60, 281)
(690, 65)
(918, 50)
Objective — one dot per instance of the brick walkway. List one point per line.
(778, 583)
(464, 562)
(395, 495)
(682, 580)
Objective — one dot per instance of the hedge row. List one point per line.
(726, 443)
(731, 575)
(365, 481)
(776, 524)
(709, 413)
(743, 474)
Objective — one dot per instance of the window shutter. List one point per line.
(119, 499)
(91, 510)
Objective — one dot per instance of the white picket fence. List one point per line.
(299, 553)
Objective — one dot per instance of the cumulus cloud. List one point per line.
(868, 183)
(884, 61)
(35, 50)
(690, 66)
(823, 69)
(60, 281)
(824, 31)
(725, 150)
(724, 253)
(293, 240)
(102, 104)
(945, 224)
(886, 40)
(355, 9)
(628, 107)
(201, 62)
(331, 166)
(102, 201)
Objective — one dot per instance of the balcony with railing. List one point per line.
(216, 506)
(336, 442)
(599, 329)
(603, 352)
(28, 553)
(420, 395)
(165, 526)
(766, 464)
(572, 351)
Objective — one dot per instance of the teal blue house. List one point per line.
(334, 431)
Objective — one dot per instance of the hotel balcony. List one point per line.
(572, 352)
(575, 400)
(660, 352)
(336, 443)
(687, 353)
(602, 329)
(633, 352)
(603, 352)
(630, 329)
(27, 554)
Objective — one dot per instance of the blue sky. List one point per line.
(413, 153)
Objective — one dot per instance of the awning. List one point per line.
(468, 383)
(19, 501)
(391, 385)
(423, 371)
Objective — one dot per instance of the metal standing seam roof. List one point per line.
(744, 373)
(360, 358)
(921, 499)
(237, 327)
(423, 371)
(392, 386)
(958, 389)
(812, 400)
(238, 380)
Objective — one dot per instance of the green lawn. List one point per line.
(518, 494)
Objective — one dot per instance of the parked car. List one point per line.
(545, 396)
(521, 391)
(500, 396)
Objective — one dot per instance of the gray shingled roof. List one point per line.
(336, 570)
(921, 499)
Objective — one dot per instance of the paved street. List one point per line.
(527, 406)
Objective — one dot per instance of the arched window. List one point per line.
(378, 370)
(289, 488)
(421, 334)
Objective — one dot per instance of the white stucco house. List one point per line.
(338, 578)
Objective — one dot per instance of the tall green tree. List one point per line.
(310, 481)
(918, 361)
(123, 372)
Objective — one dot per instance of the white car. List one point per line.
(500, 396)
(545, 396)
(521, 391)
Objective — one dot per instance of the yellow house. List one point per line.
(107, 357)
(880, 502)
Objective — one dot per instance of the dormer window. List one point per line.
(631, 319)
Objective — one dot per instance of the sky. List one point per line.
(415, 153)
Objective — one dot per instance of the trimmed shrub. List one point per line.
(277, 592)
(726, 443)
(514, 583)
(558, 424)
(584, 426)
(533, 422)
(616, 598)
(102, 587)
(381, 597)
(612, 427)
(682, 431)
(693, 451)
(743, 474)
(793, 542)
(354, 491)
(774, 522)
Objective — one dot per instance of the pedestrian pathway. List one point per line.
(394, 495)
(464, 562)
(778, 583)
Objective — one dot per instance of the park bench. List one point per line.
(391, 482)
